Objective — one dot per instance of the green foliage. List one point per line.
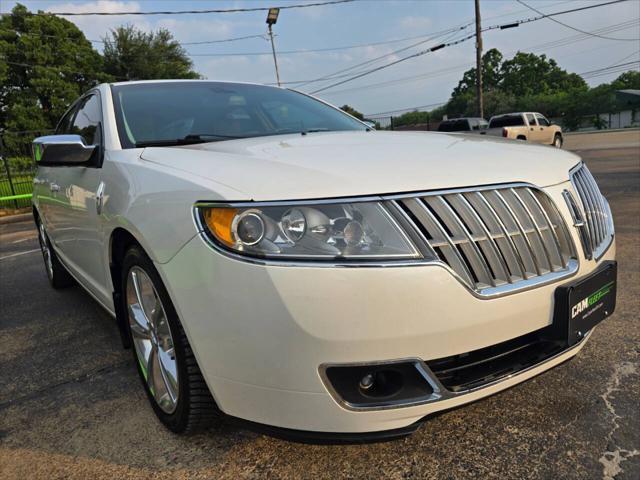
(131, 54)
(45, 64)
(412, 118)
(352, 111)
(529, 82)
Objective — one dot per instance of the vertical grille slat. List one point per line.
(536, 228)
(476, 260)
(527, 253)
(550, 233)
(439, 235)
(598, 225)
(513, 250)
(600, 213)
(588, 205)
(494, 238)
(490, 246)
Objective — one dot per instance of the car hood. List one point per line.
(340, 164)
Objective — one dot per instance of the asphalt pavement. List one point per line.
(71, 405)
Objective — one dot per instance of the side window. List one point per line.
(64, 126)
(531, 119)
(87, 121)
(543, 122)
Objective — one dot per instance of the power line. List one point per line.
(225, 40)
(544, 46)
(188, 12)
(625, 58)
(45, 35)
(335, 75)
(58, 69)
(444, 45)
(411, 109)
(612, 67)
(577, 29)
(387, 65)
(311, 50)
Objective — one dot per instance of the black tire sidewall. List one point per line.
(555, 139)
(59, 277)
(176, 421)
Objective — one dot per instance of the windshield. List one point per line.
(175, 113)
(507, 121)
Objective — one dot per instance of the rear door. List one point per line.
(83, 195)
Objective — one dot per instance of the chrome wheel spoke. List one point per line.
(152, 339)
(169, 370)
(140, 332)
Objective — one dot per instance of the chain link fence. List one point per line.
(17, 168)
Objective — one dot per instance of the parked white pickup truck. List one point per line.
(528, 126)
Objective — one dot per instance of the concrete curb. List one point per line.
(591, 132)
(21, 217)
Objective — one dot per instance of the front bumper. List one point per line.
(261, 333)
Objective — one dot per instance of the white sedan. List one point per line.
(271, 258)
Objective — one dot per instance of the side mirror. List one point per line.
(62, 150)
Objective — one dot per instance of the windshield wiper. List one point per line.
(314, 130)
(190, 139)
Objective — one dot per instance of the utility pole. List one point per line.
(479, 99)
(272, 18)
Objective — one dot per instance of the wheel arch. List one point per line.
(119, 241)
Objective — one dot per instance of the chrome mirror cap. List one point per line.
(61, 149)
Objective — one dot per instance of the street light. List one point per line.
(272, 18)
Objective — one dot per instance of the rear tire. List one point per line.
(557, 141)
(171, 377)
(57, 274)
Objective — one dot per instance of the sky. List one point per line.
(371, 25)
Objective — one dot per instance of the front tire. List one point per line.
(166, 364)
(57, 274)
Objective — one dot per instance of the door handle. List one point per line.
(54, 187)
(100, 198)
(541, 128)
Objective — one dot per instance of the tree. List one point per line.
(45, 64)
(132, 54)
(491, 74)
(352, 111)
(529, 74)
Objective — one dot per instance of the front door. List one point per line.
(533, 135)
(82, 192)
(546, 132)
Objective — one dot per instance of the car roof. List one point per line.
(187, 80)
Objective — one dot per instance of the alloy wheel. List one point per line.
(152, 339)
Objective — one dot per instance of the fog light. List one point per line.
(367, 382)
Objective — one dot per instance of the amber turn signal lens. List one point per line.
(219, 221)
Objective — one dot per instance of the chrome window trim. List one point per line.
(487, 293)
(440, 392)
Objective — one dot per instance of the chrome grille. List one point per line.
(495, 239)
(598, 223)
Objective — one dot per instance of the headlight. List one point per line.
(328, 231)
